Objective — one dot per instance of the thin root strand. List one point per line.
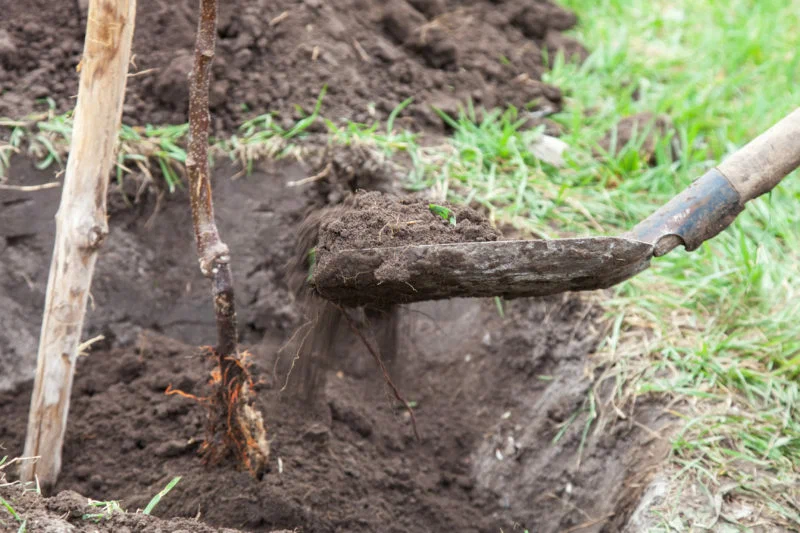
(375, 355)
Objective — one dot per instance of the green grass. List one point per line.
(105, 509)
(6, 506)
(46, 137)
(157, 498)
(724, 321)
(108, 508)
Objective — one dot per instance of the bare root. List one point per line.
(234, 428)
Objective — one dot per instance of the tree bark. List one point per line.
(81, 228)
(234, 423)
(213, 253)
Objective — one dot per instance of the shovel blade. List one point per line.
(510, 269)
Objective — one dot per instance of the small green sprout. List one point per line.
(164, 492)
(10, 510)
(442, 211)
(107, 510)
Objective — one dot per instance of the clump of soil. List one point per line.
(491, 391)
(275, 55)
(344, 169)
(69, 511)
(370, 220)
(376, 220)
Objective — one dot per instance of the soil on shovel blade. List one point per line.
(377, 220)
(500, 400)
(274, 55)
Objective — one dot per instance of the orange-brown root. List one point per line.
(170, 391)
(243, 433)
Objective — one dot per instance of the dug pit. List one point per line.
(500, 398)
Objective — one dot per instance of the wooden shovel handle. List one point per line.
(761, 164)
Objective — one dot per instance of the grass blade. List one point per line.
(164, 492)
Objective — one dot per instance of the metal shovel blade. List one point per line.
(511, 269)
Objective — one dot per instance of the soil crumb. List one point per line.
(376, 220)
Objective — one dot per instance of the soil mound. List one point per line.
(276, 55)
(71, 512)
(376, 220)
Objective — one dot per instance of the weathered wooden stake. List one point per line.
(81, 228)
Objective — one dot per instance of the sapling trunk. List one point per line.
(234, 425)
(81, 228)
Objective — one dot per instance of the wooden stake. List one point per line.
(81, 228)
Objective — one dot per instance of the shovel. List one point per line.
(520, 268)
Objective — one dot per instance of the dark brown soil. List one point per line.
(491, 390)
(275, 55)
(377, 220)
(490, 393)
(69, 510)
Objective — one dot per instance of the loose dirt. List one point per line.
(69, 511)
(491, 393)
(276, 55)
(377, 220)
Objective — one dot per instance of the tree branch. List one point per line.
(242, 426)
(214, 254)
